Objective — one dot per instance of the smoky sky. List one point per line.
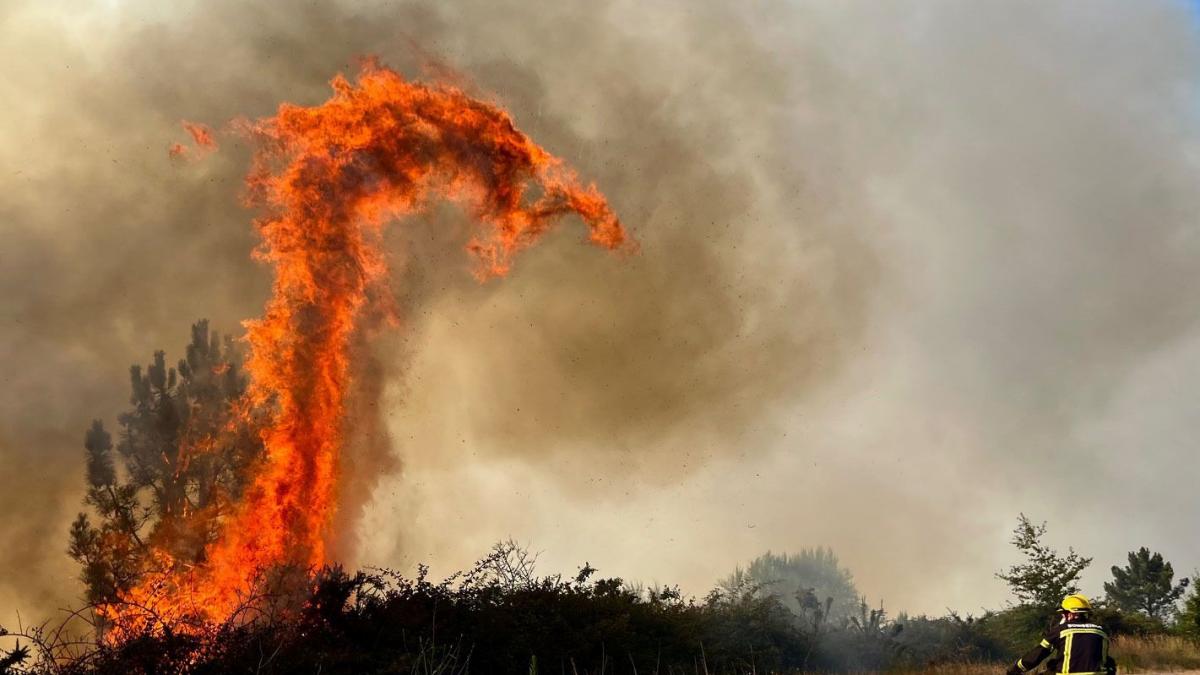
(906, 269)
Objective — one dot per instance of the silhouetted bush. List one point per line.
(385, 623)
(499, 617)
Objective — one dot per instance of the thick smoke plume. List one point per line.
(902, 264)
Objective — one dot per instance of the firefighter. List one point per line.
(1076, 645)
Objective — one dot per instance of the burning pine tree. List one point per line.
(184, 456)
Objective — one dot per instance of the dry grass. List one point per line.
(1158, 653)
(965, 668)
(1154, 654)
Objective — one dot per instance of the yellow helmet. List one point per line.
(1076, 603)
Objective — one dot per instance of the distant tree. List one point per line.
(179, 462)
(808, 582)
(1145, 585)
(1045, 577)
(1188, 620)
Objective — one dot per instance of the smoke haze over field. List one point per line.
(906, 270)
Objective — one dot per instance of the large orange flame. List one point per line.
(328, 178)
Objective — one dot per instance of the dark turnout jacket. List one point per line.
(1075, 648)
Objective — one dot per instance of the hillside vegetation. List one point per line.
(500, 617)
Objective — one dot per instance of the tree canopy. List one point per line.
(799, 580)
(1045, 577)
(1146, 585)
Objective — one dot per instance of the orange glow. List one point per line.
(327, 180)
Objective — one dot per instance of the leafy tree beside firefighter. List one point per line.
(1076, 644)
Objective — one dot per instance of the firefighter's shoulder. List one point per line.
(1054, 632)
